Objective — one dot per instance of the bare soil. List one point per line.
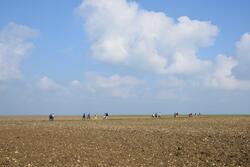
(125, 141)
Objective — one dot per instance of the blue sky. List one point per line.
(124, 57)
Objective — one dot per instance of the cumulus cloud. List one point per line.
(242, 71)
(116, 85)
(46, 83)
(94, 84)
(122, 33)
(15, 45)
(224, 76)
(75, 84)
(243, 47)
(171, 82)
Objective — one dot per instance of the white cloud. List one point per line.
(76, 87)
(122, 33)
(112, 81)
(233, 72)
(171, 82)
(75, 84)
(95, 84)
(116, 85)
(46, 83)
(187, 64)
(243, 47)
(224, 77)
(122, 93)
(242, 71)
(14, 47)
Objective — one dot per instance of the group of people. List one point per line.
(156, 115)
(195, 114)
(105, 116)
(85, 117)
(176, 114)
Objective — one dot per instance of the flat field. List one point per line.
(125, 141)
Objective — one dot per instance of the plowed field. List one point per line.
(125, 141)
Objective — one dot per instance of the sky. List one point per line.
(124, 57)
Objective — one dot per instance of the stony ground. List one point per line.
(125, 141)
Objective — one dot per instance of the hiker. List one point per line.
(83, 116)
(106, 115)
(176, 114)
(156, 115)
(88, 116)
(51, 117)
(190, 114)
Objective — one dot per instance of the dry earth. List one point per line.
(125, 141)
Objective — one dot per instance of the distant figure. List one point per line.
(51, 117)
(190, 114)
(106, 114)
(155, 115)
(88, 116)
(95, 116)
(83, 116)
(176, 114)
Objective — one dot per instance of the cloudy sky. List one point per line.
(124, 56)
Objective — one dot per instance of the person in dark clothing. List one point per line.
(88, 116)
(51, 117)
(106, 114)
